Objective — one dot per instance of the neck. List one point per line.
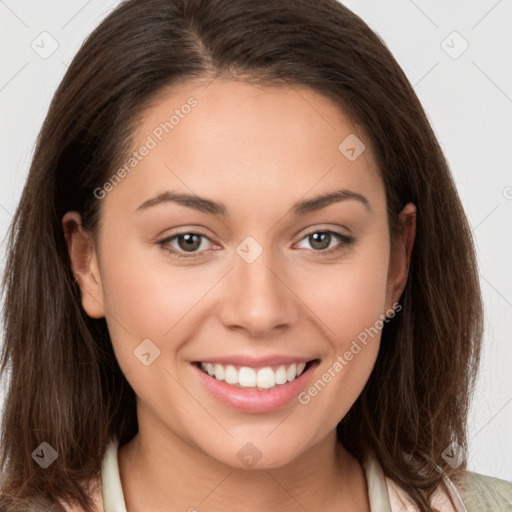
(163, 472)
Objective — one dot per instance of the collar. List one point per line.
(386, 496)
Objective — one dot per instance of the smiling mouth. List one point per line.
(264, 378)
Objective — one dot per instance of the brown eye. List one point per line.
(189, 241)
(320, 241)
(180, 244)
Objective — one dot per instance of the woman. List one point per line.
(233, 274)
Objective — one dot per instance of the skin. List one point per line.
(258, 151)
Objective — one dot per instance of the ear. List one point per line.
(84, 263)
(401, 249)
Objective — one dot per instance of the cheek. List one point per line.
(350, 300)
(151, 300)
(351, 296)
(145, 300)
(351, 310)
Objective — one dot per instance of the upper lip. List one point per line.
(256, 362)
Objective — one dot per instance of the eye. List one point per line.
(321, 240)
(187, 242)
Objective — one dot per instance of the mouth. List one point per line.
(263, 378)
(254, 389)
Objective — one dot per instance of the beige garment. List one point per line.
(477, 493)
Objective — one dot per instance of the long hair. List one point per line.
(65, 386)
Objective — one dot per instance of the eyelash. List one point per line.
(344, 239)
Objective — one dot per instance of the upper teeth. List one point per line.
(264, 378)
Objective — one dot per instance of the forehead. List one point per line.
(247, 142)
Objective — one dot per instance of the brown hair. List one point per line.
(66, 387)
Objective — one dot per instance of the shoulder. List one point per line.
(471, 492)
(482, 492)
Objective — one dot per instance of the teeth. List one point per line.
(281, 376)
(219, 372)
(291, 372)
(247, 377)
(263, 378)
(230, 373)
(266, 378)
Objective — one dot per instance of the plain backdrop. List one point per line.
(456, 54)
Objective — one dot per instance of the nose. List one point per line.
(257, 298)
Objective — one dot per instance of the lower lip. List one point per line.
(252, 400)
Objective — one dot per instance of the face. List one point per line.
(282, 297)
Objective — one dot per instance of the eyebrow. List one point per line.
(208, 206)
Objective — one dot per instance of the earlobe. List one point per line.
(84, 264)
(401, 253)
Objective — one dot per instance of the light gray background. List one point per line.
(468, 100)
